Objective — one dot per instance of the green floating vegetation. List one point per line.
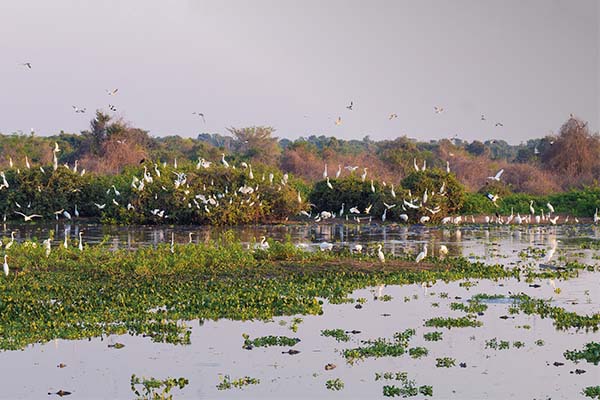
(409, 387)
(418, 352)
(590, 353)
(149, 387)
(338, 334)
(433, 336)
(462, 322)
(389, 376)
(495, 345)
(239, 383)
(385, 297)
(445, 362)
(380, 347)
(267, 341)
(473, 307)
(74, 294)
(562, 319)
(334, 384)
(592, 392)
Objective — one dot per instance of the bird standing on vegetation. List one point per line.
(6, 265)
(380, 254)
(80, 241)
(422, 254)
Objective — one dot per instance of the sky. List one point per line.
(296, 65)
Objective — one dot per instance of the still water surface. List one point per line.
(96, 371)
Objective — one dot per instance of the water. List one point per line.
(97, 371)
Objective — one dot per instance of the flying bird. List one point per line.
(438, 110)
(200, 115)
(112, 108)
(27, 218)
(349, 107)
(482, 117)
(78, 110)
(338, 121)
(499, 124)
(497, 176)
(27, 64)
(112, 92)
(392, 116)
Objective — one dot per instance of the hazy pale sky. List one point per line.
(295, 65)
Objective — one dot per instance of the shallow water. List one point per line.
(97, 371)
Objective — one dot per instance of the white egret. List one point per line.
(354, 210)
(372, 186)
(47, 246)
(329, 185)
(380, 254)
(392, 192)
(384, 215)
(342, 210)
(224, 161)
(551, 251)
(357, 248)
(422, 254)
(67, 215)
(65, 244)
(100, 206)
(404, 217)
(443, 250)
(368, 209)
(80, 241)
(324, 246)
(531, 209)
(364, 174)
(424, 219)
(339, 171)
(447, 167)
(27, 218)
(325, 172)
(76, 211)
(263, 245)
(389, 206)
(415, 165)
(497, 176)
(550, 207)
(12, 240)
(5, 265)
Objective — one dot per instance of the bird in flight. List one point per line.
(497, 176)
(499, 124)
(392, 116)
(112, 108)
(27, 64)
(482, 117)
(78, 110)
(112, 92)
(438, 110)
(28, 217)
(200, 115)
(349, 107)
(338, 121)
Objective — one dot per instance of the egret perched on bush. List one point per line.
(5, 265)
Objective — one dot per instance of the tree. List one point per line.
(574, 154)
(256, 143)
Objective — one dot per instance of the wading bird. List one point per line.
(422, 254)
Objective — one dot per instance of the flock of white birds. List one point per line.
(248, 194)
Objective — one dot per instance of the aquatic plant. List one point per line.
(418, 352)
(590, 353)
(266, 341)
(432, 336)
(380, 347)
(445, 362)
(440, 322)
(334, 384)
(338, 334)
(150, 386)
(472, 307)
(227, 383)
(592, 392)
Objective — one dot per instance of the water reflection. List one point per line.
(491, 243)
